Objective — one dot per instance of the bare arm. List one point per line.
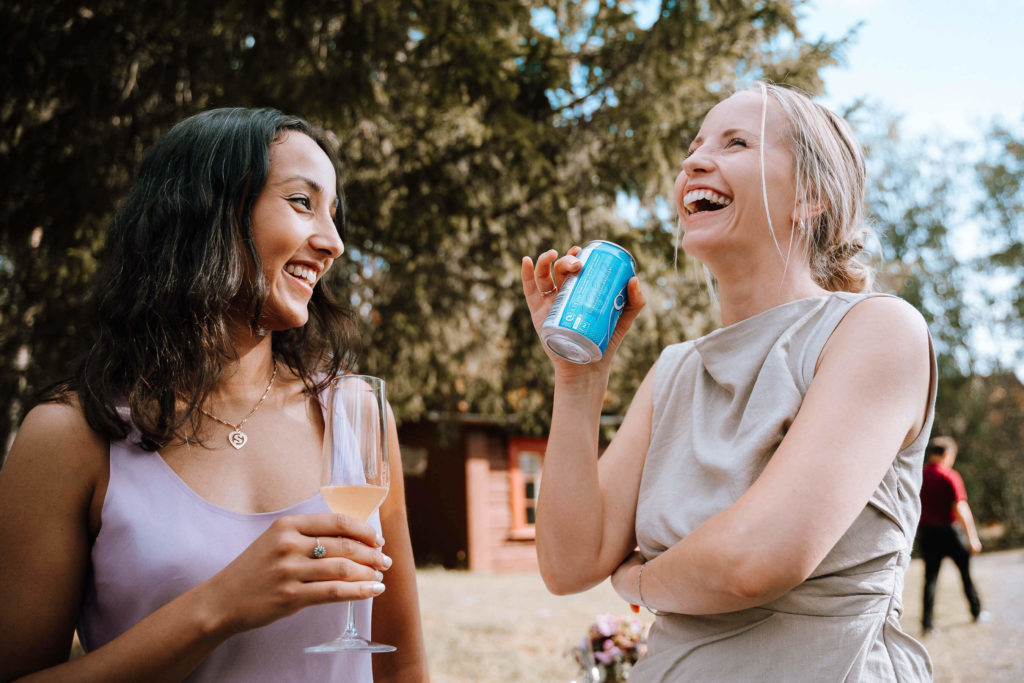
(867, 401)
(396, 612)
(49, 486)
(962, 513)
(586, 509)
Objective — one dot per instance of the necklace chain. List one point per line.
(238, 438)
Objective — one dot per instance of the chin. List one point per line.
(278, 321)
(697, 246)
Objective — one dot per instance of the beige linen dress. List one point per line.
(722, 404)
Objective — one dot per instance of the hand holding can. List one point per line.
(583, 316)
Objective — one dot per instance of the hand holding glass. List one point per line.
(357, 427)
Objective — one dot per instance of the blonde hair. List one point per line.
(831, 178)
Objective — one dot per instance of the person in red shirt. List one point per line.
(945, 519)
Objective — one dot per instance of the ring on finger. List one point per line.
(550, 291)
(319, 550)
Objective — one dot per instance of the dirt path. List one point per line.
(482, 628)
(962, 651)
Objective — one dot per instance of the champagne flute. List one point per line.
(356, 434)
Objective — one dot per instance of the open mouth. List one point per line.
(307, 275)
(702, 201)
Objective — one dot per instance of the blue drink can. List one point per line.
(583, 316)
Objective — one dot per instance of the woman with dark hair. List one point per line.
(164, 499)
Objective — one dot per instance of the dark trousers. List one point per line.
(935, 543)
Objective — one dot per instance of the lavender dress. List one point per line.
(159, 538)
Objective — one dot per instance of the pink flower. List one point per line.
(612, 642)
(608, 654)
(606, 625)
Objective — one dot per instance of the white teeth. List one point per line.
(307, 274)
(693, 196)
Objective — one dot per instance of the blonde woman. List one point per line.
(761, 493)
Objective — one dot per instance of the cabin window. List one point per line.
(525, 456)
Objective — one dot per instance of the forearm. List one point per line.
(396, 614)
(165, 646)
(695, 576)
(399, 625)
(734, 560)
(408, 664)
(962, 512)
(570, 508)
(579, 539)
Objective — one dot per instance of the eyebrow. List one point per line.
(313, 185)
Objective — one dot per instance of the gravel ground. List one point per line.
(485, 627)
(990, 651)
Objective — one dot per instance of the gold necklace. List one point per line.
(238, 438)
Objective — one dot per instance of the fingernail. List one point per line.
(380, 540)
(378, 587)
(386, 561)
(378, 576)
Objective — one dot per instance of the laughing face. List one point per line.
(719, 193)
(293, 228)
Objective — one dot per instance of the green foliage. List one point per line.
(915, 207)
(472, 132)
(917, 203)
(1001, 173)
(986, 416)
(539, 127)
(997, 429)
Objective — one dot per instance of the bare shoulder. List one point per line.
(61, 423)
(885, 330)
(889, 311)
(49, 485)
(881, 354)
(54, 439)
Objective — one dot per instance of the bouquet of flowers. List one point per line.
(610, 648)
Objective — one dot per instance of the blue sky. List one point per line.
(947, 67)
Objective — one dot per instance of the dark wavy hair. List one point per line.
(178, 259)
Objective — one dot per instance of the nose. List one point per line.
(327, 240)
(700, 161)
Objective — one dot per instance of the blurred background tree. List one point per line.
(472, 133)
(923, 199)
